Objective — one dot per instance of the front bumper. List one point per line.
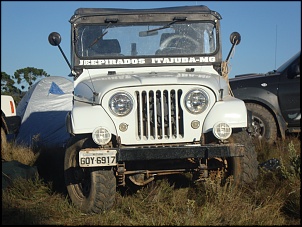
(179, 152)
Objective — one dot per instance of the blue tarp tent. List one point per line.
(43, 110)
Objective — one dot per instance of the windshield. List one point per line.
(288, 62)
(114, 39)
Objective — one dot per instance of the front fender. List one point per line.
(259, 95)
(84, 119)
(231, 111)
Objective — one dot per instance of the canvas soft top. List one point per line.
(198, 9)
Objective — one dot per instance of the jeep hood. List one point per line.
(103, 84)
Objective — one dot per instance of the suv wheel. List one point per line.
(263, 123)
(92, 190)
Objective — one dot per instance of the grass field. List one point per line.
(275, 199)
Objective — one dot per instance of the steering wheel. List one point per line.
(168, 43)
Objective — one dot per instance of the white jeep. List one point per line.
(151, 98)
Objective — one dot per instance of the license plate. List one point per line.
(92, 158)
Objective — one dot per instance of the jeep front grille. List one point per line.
(159, 114)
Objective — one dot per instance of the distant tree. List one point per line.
(29, 76)
(7, 85)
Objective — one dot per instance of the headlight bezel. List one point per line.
(116, 97)
(191, 108)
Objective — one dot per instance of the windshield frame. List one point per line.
(158, 19)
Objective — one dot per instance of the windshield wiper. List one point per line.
(109, 21)
(154, 31)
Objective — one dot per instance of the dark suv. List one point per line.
(273, 98)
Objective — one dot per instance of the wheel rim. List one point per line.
(258, 127)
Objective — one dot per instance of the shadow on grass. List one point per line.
(50, 164)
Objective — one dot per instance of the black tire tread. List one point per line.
(245, 168)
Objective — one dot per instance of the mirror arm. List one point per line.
(231, 51)
(65, 57)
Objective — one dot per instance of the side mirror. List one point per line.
(54, 39)
(235, 38)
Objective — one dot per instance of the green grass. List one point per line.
(275, 199)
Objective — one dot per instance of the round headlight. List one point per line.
(196, 101)
(101, 135)
(121, 104)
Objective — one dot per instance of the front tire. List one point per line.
(244, 169)
(92, 190)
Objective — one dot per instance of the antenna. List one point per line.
(276, 46)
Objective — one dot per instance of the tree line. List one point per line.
(26, 76)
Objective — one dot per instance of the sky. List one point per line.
(270, 32)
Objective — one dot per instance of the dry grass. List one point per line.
(275, 200)
(25, 155)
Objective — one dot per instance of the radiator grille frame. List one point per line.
(159, 114)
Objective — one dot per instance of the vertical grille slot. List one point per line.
(159, 115)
